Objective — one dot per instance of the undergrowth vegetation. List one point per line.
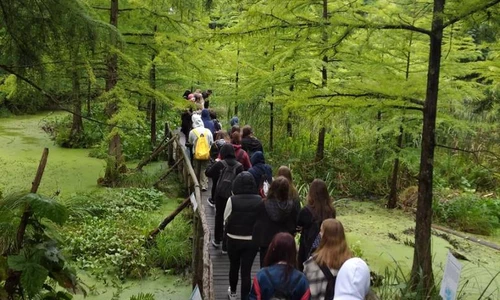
(107, 234)
(469, 212)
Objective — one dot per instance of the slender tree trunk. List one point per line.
(77, 125)
(152, 83)
(393, 195)
(237, 81)
(271, 126)
(289, 117)
(89, 97)
(320, 150)
(112, 63)
(422, 259)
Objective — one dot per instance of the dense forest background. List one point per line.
(347, 91)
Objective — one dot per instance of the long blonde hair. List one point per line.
(333, 250)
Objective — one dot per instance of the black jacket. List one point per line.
(227, 154)
(251, 145)
(274, 217)
(244, 203)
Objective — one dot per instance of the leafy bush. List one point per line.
(59, 129)
(469, 213)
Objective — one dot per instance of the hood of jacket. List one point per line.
(278, 211)
(227, 151)
(257, 158)
(197, 121)
(236, 147)
(353, 280)
(244, 183)
(205, 115)
(234, 121)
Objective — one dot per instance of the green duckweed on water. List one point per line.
(71, 171)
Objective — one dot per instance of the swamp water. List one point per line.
(366, 223)
(69, 171)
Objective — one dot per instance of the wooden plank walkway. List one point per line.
(220, 261)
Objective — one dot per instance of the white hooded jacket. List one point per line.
(200, 128)
(353, 280)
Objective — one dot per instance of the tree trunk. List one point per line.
(320, 150)
(77, 125)
(152, 83)
(89, 97)
(421, 272)
(289, 117)
(271, 126)
(112, 63)
(237, 81)
(393, 195)
(114, 146)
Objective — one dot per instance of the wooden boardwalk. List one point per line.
(220, 262)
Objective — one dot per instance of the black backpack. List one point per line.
(282, 291)
(226, 178)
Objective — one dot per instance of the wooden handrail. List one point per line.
(207, 278)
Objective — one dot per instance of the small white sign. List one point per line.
(193, 201)
(451, 277)
(196, 295)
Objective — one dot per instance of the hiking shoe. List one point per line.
(223, 251)
(204, 189)
(211, 202)
(231, 295)
(215, 244)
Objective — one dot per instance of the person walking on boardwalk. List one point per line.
(201, 140)
(226, 170)
(249, 142)
(240, 215)
(207, 121)
(318, 208)
(322, 268)
(287, 173)
(261, 171)
(221, 138)
(279, 279)
(241, 155)
(277, 213)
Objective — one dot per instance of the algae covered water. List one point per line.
(70, 172)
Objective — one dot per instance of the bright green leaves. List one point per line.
(48, 208)
(33, 275)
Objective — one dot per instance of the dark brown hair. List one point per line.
(320, 201)
(279, 189)
(282, 249)
(235, 128)
(222, 135)
(287, 173)
(236, 138)
(246, 131)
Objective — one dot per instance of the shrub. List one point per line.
(470, 213)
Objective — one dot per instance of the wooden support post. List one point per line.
(34, 188)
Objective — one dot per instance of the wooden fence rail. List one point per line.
(202, 263)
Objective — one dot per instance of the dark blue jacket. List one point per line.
(207, 122)
(260, 168)
(264, 286)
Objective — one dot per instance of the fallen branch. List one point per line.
(169, 219)
(168, 172)
(467, 237)
(155, 153)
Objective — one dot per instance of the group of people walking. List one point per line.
(256, 212)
